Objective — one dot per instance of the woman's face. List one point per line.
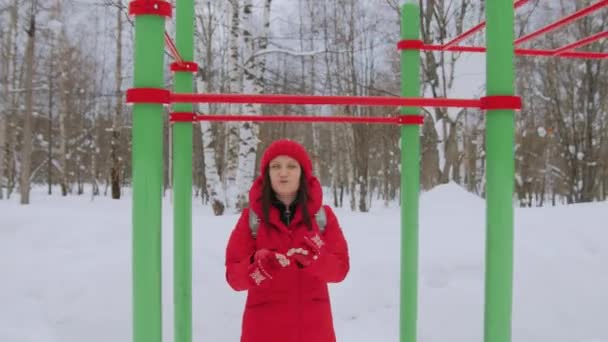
(285, 176)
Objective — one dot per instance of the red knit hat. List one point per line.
(290, 148)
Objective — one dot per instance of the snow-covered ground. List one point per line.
(65, 272)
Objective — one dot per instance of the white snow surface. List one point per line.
(65, 266)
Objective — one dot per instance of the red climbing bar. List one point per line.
(408, 120)
(179, 64)
(564, 21)
(522, 52)
(465, 35)
(173, 49)
(582, 42)
(458, 48)
(325, 100)
(478, 27)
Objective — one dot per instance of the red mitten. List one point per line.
(266, 264)
(308, 250)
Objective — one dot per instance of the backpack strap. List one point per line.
(321, 218)
(254, 221)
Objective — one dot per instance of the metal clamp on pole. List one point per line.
(150, 7)
(184, 67)
(501, 102)
(410, 44)
(412, 119)
(183, 117)
(148, 95)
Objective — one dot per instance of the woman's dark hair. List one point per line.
(301, 198)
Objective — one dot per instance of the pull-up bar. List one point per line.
(162, 96)
(172, 48)
(324, 100)
(564, 21)
(565, 51)
(401, 119)
(585, 41)
(478, 27)
(529, 52)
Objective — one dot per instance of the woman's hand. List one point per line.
(308, 250)
(266, 264)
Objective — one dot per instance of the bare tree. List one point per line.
(26, 151)
(115, 144)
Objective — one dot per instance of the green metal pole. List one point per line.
(410, 177)
(182, 180)
(147, 181)
(500, 174)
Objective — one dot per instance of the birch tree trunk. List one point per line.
(334, 166)
(253, 84)
(214, 186)
(215, 190)
(26, 152)
(316, 127)
(234, 86)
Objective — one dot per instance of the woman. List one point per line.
(286, 262)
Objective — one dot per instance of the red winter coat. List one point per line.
(294, 305)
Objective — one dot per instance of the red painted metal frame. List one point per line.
(522, 52)
(183, 117)
(172, 49)
(564, 21)
(582, 42)
(566, 51)
(500, 102)
(179, 64)
(413, 44)
(150, 7)
(402, 119)
(148, 95)
(324, 100)
(478, 27)
(184, 66)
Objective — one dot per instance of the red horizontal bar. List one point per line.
(336, 119)
(582, 42)
(564, 21)
(324, 100)
(521, 52)
(480, 26)
(458, 48)
(569, 54)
